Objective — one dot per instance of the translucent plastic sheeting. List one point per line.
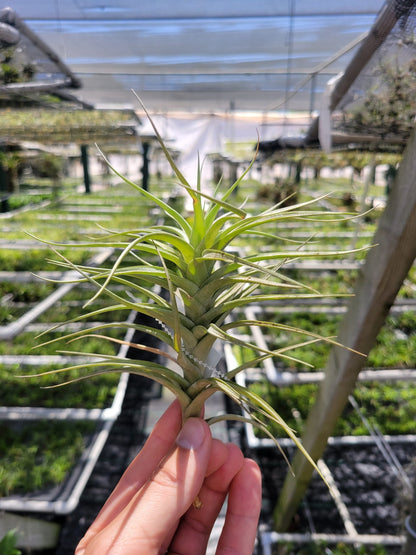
(200, 56)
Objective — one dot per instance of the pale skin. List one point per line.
(171, 494)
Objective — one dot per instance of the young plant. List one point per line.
(195, 286)
(8, 544)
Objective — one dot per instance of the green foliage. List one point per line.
(388, 406)
(65, 125)
(5, 316)
(396, 343)
(10, 160)
(34, 260)
(13, 68)
(25, 343)
(9, 74)
(47, 165)
(15, 391)
(292, 403)
(391, 407)
(25, 292)
(395, 346)
(16, 201)
(389, 107)
(313, 355)
(8, 544)
(284, 192)
(39, 455)
(406, 322)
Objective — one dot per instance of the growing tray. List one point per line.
(63, 499)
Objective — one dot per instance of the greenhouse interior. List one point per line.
(213, 202)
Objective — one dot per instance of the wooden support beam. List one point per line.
(386, 20)
(379, 281)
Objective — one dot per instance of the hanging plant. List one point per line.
(388, 107)
(13, 69)
(196, 286)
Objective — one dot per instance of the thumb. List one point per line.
(148, 520)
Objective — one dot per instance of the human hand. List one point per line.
(168, 499)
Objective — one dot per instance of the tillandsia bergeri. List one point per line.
(194, 285)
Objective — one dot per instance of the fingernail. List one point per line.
(192, 434)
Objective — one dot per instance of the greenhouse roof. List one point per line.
(200, 56)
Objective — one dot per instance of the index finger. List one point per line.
(157, 447)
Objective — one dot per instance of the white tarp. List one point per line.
(201, 56)
(201, 136)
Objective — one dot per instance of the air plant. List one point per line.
(195, 286)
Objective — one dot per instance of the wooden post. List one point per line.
(378, 283)
(386, 20)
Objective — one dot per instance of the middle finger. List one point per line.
(194, 529)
